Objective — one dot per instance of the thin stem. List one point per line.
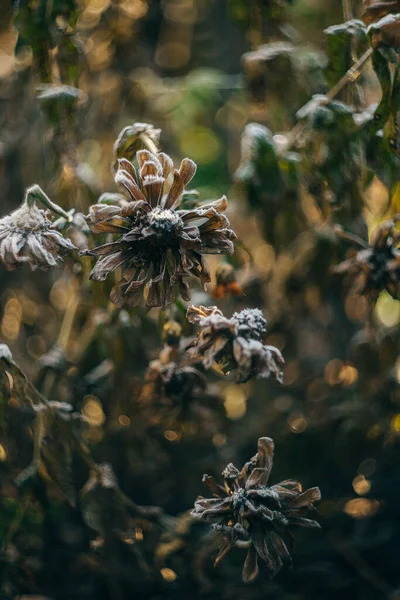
(68, 321)
(351, 76)
(35, 193)
(347, 10)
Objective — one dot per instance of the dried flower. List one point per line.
(226, 282)
(160, 245)
(27, 235)
(376, 266)
(245, 509)
(176, 395)
(235, 343)
(139, 136)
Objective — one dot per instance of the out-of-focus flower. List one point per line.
(226, 282)
(376, 9)
(245, 509)
(160, 245)
(235, 343)
(176, 394)
(375, 266)
(171, 334)
(27, 236)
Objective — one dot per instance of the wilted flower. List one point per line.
(235, 343)
(27, 235)
(176, 394)
(245, 509)
(160, 245)
(226, 282)
(375, 266)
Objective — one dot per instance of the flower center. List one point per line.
(165, 222)
(251, 323)
(28, 219)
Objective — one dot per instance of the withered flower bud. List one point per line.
(27, 236)
(139, 136)
(375, 266)
(226, 282)
(159, 246)
(234, 344)
(171, 334)
(245, 509)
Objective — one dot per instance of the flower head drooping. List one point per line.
(246, 509)
(27, 235)
(160, 245)
(176, 394)
(375, 266)
(235, 343)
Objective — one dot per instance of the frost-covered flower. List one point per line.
(235, 343)
(375, 266)
(160, 244)
(245, 509)
(27, 236)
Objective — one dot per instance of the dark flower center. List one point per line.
(165, 223)
(378, 263)
(251, 323)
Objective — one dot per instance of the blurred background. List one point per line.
(73, 74)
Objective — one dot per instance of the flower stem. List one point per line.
(35, 193)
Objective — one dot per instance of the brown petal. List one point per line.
(222, 553)
(144, 156)
(125, 179)
(306, 498)
(187, 171)
(250, 567)
(302, 522)
(166, 163)
(107, 264)
(280, 547)
(126, 165)
(175, 191)
(214, 486)
(110, 248)
(265, 455)
(256, 478)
